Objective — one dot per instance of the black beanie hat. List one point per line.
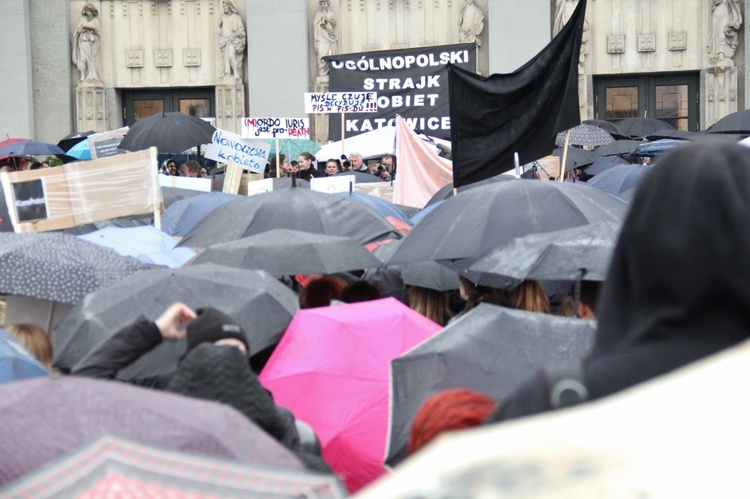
(212, 325)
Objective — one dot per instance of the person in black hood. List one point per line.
(678, 287)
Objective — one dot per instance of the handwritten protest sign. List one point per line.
(343, 183)
(276, 128)
(190, 183)
(250, 154)
(341, 102)
(104, 144)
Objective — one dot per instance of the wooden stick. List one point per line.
(565, 155)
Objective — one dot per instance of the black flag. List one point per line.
(496, 116)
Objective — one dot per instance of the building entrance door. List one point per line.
(139, 104)
(671, 97)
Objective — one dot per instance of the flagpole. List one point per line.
(343, 151)
(278, 166)
(565, 155)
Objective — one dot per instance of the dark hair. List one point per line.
(360, 291)
(319, 292)
(307, 156)
(193, 166)
(590, 293)
(274, 166)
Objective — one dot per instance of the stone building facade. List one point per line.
(652, 57)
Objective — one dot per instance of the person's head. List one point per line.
(431, 303)
(332, 167)
(449, 410)
(204, 171)
(473, 294)
(35, 340)
(283, 163)
(305, 161)
(356, 160)
(214, 326)
(676, 270)
(587, 300)
(359, 291)
(389, 162)
(24, 164)
(530, 296)
(319, 292)
(194, 168)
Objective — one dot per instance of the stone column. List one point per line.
(320, 121)
(230, 105)
(91, 106)
(720, 91)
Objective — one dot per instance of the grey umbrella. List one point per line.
(553, 256)
(59, 267)
(288, 252)
(609, 127)
(427, 274)
(576, 157)
(475, 222)
(584, 135)
(737, 122)
(640, 127)
(168, 132)
(490, 350)
(257, 301)
(617, 147)
(296, 209)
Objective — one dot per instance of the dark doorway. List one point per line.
(143, 103)
(671, 97)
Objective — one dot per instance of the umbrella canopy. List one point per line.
(80, 150)
(109, 466)
(553, 256)
(737, 122)
(292, 148)
(171, 195)
(604, 163)
(641, 126)
(331, 371)
(675, 134)
(619, 179)
(30, 147)
(59, 267)
(381, 205)
(288, 252)
(631, 443)
(45, 418)
(257, 301)
(168, 132)
(72, 139)
(428, 274)
(145, 243)
(184, 214)
(658, 147)
(585, 135)
(479, 220)
(617, 148)
(609, 127)
(362, 177)
(491, 350)
(576, 157)
(295, 209)
(16, 362)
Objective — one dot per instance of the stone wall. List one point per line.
(16, 98)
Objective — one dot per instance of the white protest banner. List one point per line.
(250, 154)
(192, 183)
(259, 186)
(275, 128)
(341, 102)
(337, 183)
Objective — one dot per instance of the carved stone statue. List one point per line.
(471, 23)
(563, 10)
(726, 19)
(232, 41)
(324, 29)
(86, 43)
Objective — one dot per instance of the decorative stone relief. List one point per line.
(726, 19)
(324, 36)
(232, 41)
(647, 43)
(163, 58)
(678, 41)
(616, 44)
(471, 23)
(134, 58)
(191, 57)
(87, 44)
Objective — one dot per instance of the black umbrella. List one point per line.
(565, 254)
(257, 301)
(491, 350)
(617, 148)
(109, 466)
(74, 138)
(603, 163)
(576, 157)
(172, 194)
(296, 209)
(446, 191)
(619, 179)
(427, 274)
(675, 134)
(737, 122)
(641, 127)
(168, 132)
(609, 127)
(59, 267)
(479, 220)
(288, 252)
(45, 418)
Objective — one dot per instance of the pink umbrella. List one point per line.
(331, 369)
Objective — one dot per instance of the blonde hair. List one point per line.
(430, 303)
(530, 296)
(35, 340)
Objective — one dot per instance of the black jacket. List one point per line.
(677, 288)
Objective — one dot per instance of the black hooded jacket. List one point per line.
(678, 287)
